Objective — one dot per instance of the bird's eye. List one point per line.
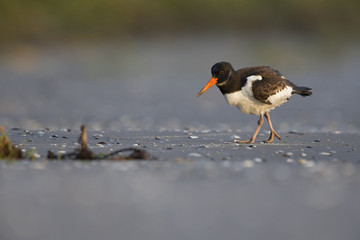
(221, 72)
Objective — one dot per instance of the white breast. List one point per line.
(246, 103)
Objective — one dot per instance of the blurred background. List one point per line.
(116, 64)
(139, 64)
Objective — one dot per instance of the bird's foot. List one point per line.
(251, 140)
(273, 134)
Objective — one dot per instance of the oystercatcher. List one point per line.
(254, 90)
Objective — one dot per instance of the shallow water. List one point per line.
(152, 83)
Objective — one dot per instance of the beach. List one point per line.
(202, 185)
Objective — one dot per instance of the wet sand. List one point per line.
(197, 144)
(203, 186)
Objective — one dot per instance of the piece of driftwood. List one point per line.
(84, 153)
(7, 149)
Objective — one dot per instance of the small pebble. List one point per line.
(310, 164)
(40, 133)
(233, 137)
(195, 155)
(193, 137)
(317, 140)
(257, 159)
(325, 153)
(248, 163)
(289, 160)
(65, 130)
(303, 154)
(302, 161)
(306, 163)
(205, 131)
(97, 135)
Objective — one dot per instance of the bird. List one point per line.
(254, 90)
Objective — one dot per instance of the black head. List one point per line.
(221, 73)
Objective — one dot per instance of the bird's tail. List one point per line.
(303, 91)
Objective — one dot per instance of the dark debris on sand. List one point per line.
(84, 153)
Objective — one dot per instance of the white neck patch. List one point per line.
(220, 84)
(224, 82)
(248, 86)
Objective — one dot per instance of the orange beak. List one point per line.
(212, 81)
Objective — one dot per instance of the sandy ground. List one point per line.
(203, 186)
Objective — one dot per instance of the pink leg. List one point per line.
(272, 130)
(252, 139)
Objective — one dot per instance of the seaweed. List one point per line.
(7, 149)
(84, 153)
(11, 152)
